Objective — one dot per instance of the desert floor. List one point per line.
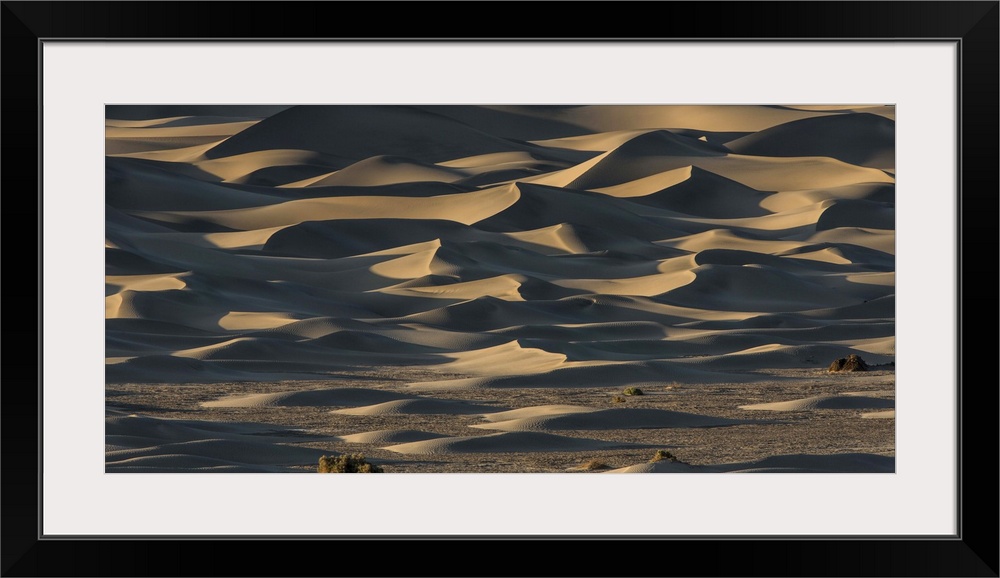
(740, 447)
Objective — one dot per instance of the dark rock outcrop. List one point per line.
(850, 363)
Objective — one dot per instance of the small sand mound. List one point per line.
(660, 467)
(825, 402)
(536, 411)
(888, 414)
(507, 442)
(791, 463)
(609, 419)
(232, 451)
(805, 463)
(418, 407)
(390, 436)
(132, 431)
(174, 463)
(850, 363)
(347, 396)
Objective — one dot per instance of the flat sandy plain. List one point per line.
(473, 288)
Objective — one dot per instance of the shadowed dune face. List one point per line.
(795, 463)
(494, 247)
(151, 445)
(825, 402)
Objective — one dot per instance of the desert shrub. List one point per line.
(632, 391)
(663, 455)
(618, 399)
(347, 464)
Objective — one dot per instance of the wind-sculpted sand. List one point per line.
(473, 288)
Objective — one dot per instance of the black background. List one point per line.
(973, 553)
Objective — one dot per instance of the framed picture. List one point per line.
(127, 94)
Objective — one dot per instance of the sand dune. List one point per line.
(593, 142)
(753, 288)
(348, 396)
(588, 375)
(167, 138)
(172, 128)
(365, 131)
(708, 118)
(608, 419)
(125, 426)
(141, 443)
(702, 194)
(464, 208)
(282, 165)
(535, 412)
(364, 265)
(801, 463)
(888, 414)
(382, 437)
(660, 467)
(519, 442)
(883, 240)
(418, 406)
(857, 213)
(388, 170)
(501, 358)
(782, 355)
(825, 402)
(243, 452)
(788, 200)
(860, 139)
(133, 185)
(782, 174)
(795, 463)
(512, 122)
(644, 155)
(653, 153)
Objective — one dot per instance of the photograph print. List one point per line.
(579, 289)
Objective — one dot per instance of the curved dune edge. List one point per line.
(145, 444)
(824, 402)
(419, 406)
(126, 427)
(505, 442)
(397, 436)
(240, 452)
(536, 411)
(888, 414)
(316, 397)
(791, 463)
(590, 374)
(607, 419)
(504, 359)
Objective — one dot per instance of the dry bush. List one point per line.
(347, 464)
(663, 455)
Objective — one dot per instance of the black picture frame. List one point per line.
(975, 26)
